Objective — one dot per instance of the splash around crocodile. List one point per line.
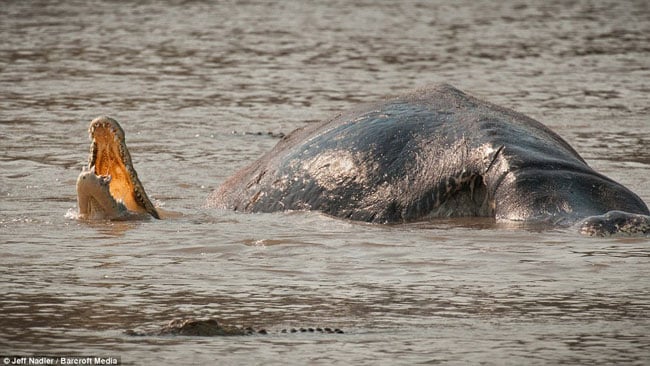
(432, 153)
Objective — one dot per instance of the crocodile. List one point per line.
(212, 328)
(436, 152)
(109, 187)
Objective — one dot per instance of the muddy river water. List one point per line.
(198, 86)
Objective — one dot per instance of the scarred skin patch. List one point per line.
(332, 168)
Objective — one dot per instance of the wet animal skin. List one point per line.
(434, 152)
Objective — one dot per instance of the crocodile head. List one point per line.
(109, 188)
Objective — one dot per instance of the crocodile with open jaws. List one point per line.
(435, 152)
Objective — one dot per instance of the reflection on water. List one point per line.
(202, 89)
(629, 146)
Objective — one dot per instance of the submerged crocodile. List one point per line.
(435, 152)
(212, 328)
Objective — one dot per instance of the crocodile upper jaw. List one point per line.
(110, 161)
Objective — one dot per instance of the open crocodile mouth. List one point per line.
(111, 163)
